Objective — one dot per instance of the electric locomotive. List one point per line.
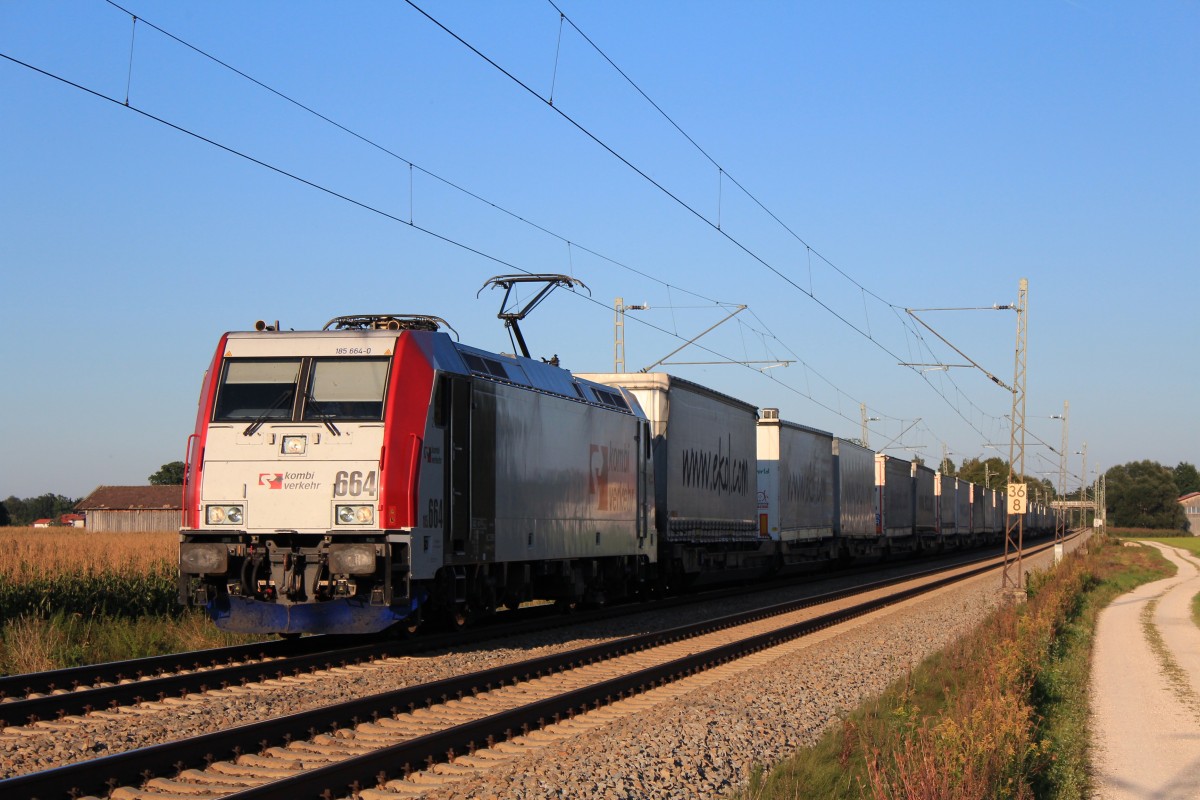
(378, 472)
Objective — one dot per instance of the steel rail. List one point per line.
(118, 683)
(131, 692)
(71, 678)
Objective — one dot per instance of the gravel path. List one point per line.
(1146, 690)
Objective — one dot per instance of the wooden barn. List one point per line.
(136, 509)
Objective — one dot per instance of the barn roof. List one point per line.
(132, 498)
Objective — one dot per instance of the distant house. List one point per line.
(136, 509)
(72, 520)
(42, 523)
(1191, 507)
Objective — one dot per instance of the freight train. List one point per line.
(379, 473)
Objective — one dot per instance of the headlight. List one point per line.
(354, 515)
(294, 445)
(223, 515)
(352, 559)
(201, 558)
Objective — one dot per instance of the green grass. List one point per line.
(39, 643)
(124, 594)
(1188, 543)
(1002, 713)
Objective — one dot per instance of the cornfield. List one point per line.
(69, 597)
(69, 571)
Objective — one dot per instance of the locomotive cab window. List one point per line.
(346, 389)
(257, 389)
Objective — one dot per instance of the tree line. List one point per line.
(24, 511)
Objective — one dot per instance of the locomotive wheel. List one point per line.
(412, 623)
(563, 606)
(458, 616)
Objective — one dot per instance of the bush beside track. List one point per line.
(1000, 714)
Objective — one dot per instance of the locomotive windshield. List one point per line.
(257, 389)
(346, 389)
(263, 389)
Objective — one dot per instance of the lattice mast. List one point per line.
(1014, 529)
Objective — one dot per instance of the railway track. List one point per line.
(398, 740)
(29, 698)
(61, 694)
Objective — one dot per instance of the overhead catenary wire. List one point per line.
(411, 165)
(643, 174)
(637, 170)
(431, 232)
(808, 248)
(724, 173)
(368, 207)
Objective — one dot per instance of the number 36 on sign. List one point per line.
(1017, 502)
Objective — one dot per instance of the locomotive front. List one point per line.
(300, 479)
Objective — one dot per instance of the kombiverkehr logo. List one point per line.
(272, 480)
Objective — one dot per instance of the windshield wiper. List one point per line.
(261, 418)
(322, 415)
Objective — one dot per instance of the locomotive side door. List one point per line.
(470, 490)
(458, 469)
(644, 477)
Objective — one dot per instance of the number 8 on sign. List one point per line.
(1016, 498)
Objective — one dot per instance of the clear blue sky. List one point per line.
(936, 153)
